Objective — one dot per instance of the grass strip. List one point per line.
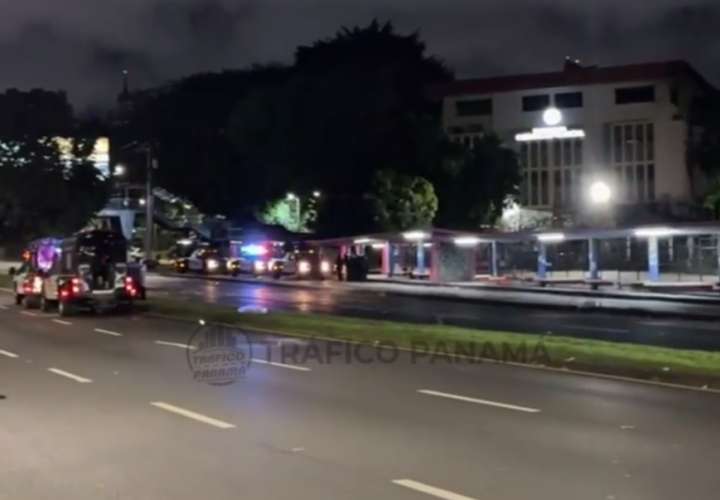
(690, 367)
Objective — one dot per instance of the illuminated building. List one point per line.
(600, 130)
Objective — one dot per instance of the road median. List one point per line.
(448, 344)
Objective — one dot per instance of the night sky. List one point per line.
(82, 45)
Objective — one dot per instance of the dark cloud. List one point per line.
(83, 45)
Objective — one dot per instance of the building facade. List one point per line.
(590, 136)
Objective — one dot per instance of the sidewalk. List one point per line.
(684, 306)
(709, 297)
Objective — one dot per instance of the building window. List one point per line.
(578, 152)
(534, 189)
(640, 182)
(551, 172)
(535, 102)
(631, 95)
(651, 182)
(632, 157)
(474, 107)
(544, 154)
(534, 154)
(569, 100)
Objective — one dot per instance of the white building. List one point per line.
(624, 128)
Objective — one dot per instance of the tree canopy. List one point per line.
(45, 189)
(42, 193)
(403, 202)
(350, 110)
(476, 183)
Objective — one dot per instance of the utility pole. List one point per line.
(150, 165)
(149, 203)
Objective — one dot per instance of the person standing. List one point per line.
(339, 264)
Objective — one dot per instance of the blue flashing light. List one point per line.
(253, 250)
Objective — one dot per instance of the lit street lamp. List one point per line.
(119, 170)
(296, 199)
(600, 193)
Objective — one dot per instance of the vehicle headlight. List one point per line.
(212, 265)
(304, 267)
(259, 266)
(325, 267)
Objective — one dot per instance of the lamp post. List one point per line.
(297, 215)
(150, 165)
(294, 198)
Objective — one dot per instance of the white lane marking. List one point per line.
(598, 329)
(478, 401)
(430, 490)
(175, 344)
(3, 308)
(669, 324)
(108, 332)
(71, 376)
(281, 365)
(8, 354)
(61, 322)
(28, 313)
(191, 414)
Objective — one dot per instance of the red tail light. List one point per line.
(130, 287)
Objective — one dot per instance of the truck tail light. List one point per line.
(130, 288)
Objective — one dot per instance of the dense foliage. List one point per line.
(349, 107)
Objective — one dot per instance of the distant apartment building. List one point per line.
(622, 130)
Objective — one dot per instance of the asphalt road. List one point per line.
(619, 327)
(104, 407)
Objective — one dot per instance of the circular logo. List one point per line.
(218, 355)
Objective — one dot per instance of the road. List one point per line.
(625, 327)
(105, 407)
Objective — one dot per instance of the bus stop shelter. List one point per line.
(443, 255)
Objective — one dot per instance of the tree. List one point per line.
(296, 214)
(704, 148)
(187, 123)
(475, 183)
(403, 202)
(42, 193)
(36, 113)
(353, 105)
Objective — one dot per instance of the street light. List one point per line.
(293, 197)
(600, 193)
(119, 170)
(317, 194)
